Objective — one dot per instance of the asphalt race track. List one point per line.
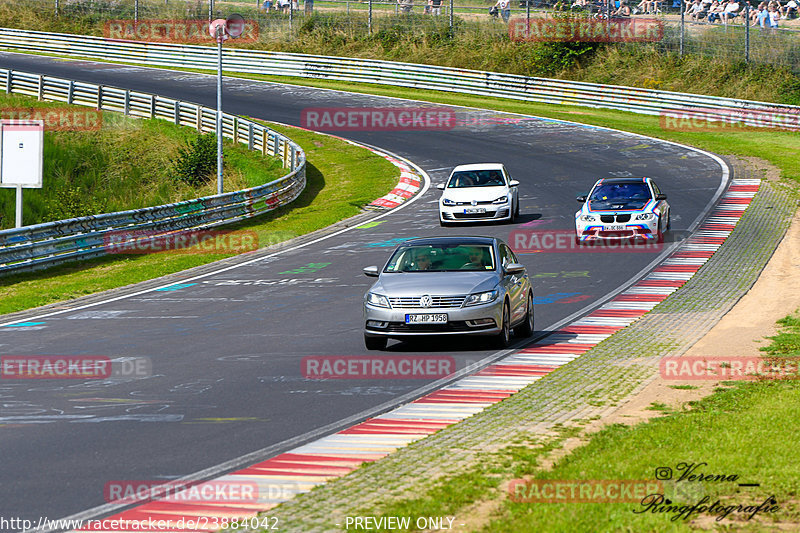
(226, 349)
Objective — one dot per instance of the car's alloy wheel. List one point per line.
(504, 337)
(669, 221)
(375, 343)
(525, 329)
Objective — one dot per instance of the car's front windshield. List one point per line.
(442, 258)
(476, 178)
(620, 191)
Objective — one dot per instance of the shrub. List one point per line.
(73, 202)
(197, 161)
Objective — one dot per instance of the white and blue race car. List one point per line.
(622, 208)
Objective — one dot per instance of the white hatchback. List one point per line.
(477, 193)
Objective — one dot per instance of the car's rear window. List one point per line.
(620, 191)
(457, 257)
(476, 178)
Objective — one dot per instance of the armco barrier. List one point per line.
(54, 242)
(476, 82)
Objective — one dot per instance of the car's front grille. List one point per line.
(401, 327)
(413, 302)
(484, 202)
(608, 219)
(618, 234)
(489, 214)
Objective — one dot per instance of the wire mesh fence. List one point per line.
(740, 38)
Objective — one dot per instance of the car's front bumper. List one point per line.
(473, 320)
(458, 213)
(641, 230)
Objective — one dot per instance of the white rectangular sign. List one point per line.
(21, 152)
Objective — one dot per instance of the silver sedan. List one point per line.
(449, 286)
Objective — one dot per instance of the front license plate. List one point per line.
(474, 210)
(614, 228)
(427, 318)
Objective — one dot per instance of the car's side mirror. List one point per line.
(440, 186)
(513, 268)
(513, 183)
(581, 198)
(661, 196)
(371, 271)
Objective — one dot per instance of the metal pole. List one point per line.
(18, 218)
(291, 12)
(135, 11)
(369, 18)
(219, 110)
(56, 8)
(210, 10)
(452, 15)
(683, 27)
(747, 32)
(527, 19)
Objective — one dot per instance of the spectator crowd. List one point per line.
(766, 15)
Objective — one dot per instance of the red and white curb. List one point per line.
(410, 182)
(407, 187)
(298, 470)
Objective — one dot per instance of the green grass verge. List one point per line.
(120, 163)
(744, 429)
(341, 178)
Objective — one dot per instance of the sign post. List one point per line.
(220, 30)
(21, 156)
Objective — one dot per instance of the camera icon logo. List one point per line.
(663, 473)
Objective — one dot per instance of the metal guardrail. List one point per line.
(49, 243)
(646, 101)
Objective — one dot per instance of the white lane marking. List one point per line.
(425, 177)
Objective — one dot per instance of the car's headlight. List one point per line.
(445, 201)
(378, 300)
(501, 200)
(588, 218)
(481, 297)
(645, 216)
